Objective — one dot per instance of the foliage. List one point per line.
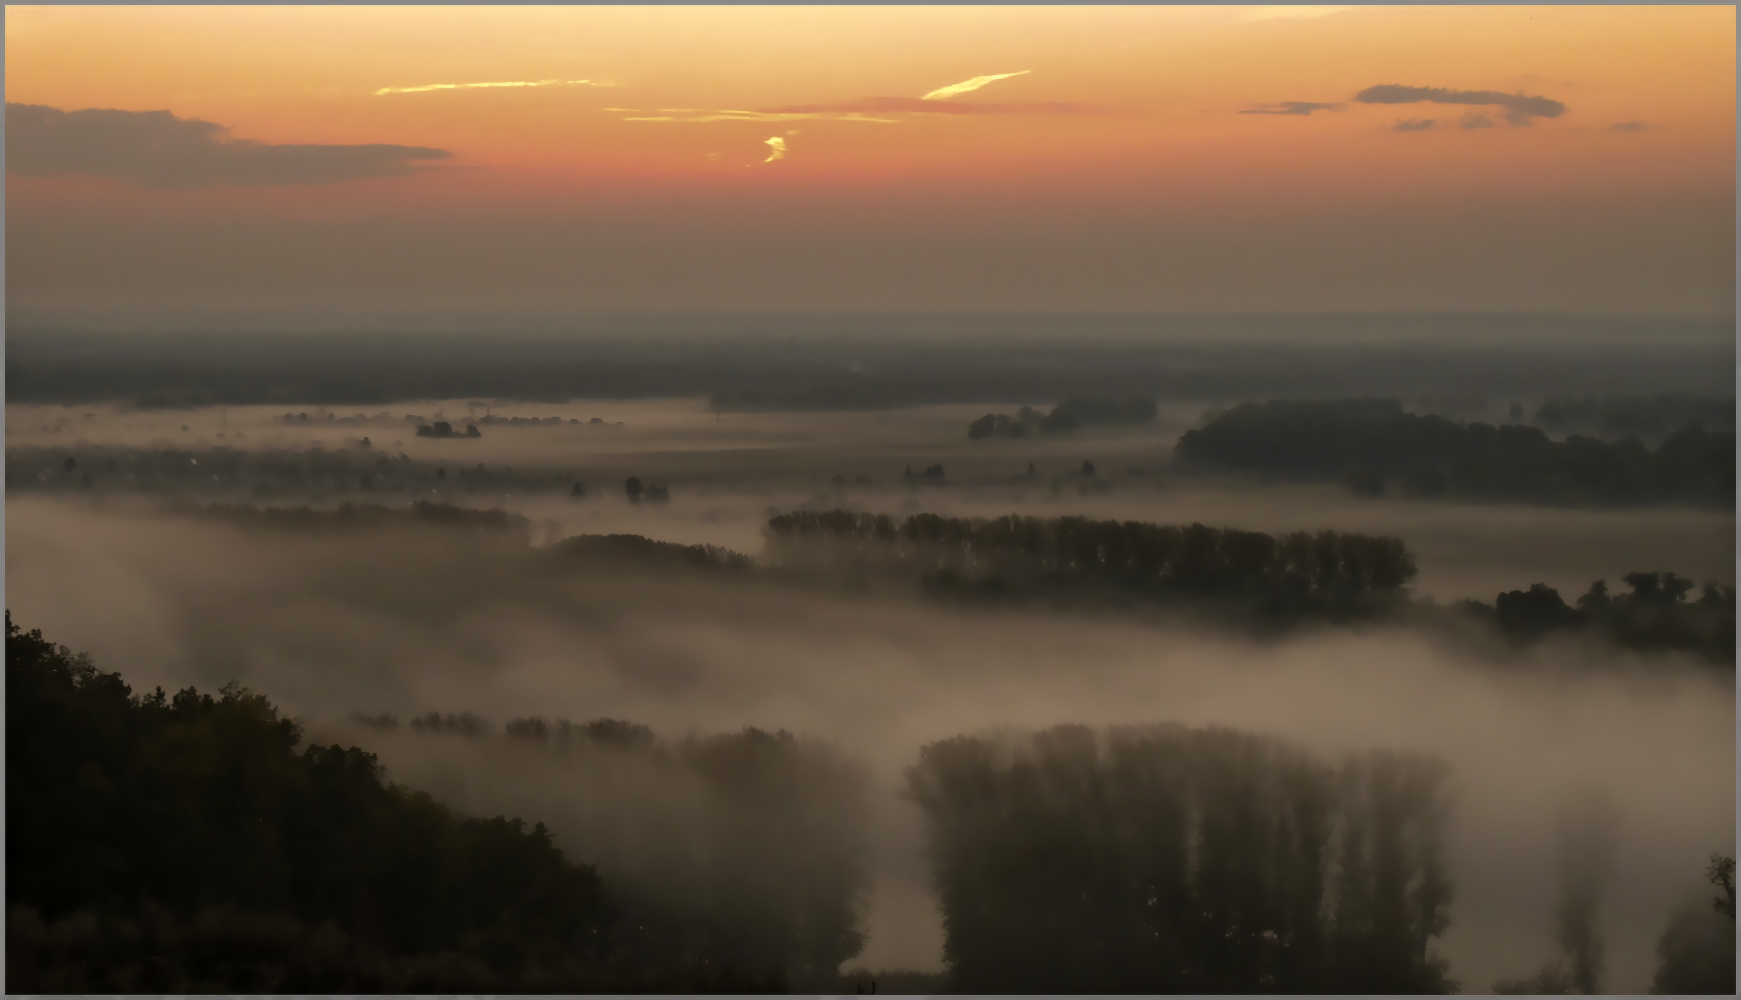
(646, 553)
(1070, 414)
(1359, 441)
(1163, 859)
(1655, 615)
(118, 803)
(1642, 417)
(1696, 953)
(237, 473)
(1008, 557)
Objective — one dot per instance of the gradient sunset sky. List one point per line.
(1106, 160)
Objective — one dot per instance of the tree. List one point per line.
(633, 489)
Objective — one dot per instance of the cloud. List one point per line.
(864, 109)
(925, 106)
(776, 149)
(730, 115)
(1520, 109)
(1630, 127)
(157, 150)
(1414, 124)
(504, 83)
(943, 93)
(1475, 121)
(1292, 108)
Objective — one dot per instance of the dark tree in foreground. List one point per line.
(1164, 859)
(185, 844)
(1696, 954)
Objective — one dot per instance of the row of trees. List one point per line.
(1373, 446)
(1012, 556)
(1070, 414)
(1647, 418)
(1657, 613)
(235, 473)
(1165, 859)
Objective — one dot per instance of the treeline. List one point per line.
(186, 844)
(1071, 414)
(348, 516)
(1647, 418)
(645, 553)
(1075, 558)
(1374, 447)
(1658, 613)
(263, 474)
(1171, 860)
(809, 362)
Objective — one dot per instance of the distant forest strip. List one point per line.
(1374, 447)
(1326, 573)
(1657, 613)
(1642, 417)
(793, 365)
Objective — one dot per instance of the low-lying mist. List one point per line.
(406, 622)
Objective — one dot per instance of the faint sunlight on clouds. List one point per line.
(942, 93)
(777, 149)
(502, 83)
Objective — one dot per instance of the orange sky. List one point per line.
(1118, 174)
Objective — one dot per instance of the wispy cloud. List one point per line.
(966, 86)
(1414, 125)
(776, 148)
(1630, 127)
(425, 88)
(865, 109)
(922, 106)
(730, 115)
(1293, 108)
(1520, 109)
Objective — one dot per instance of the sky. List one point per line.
(515, 161)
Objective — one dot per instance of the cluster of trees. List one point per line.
(1648, 418)
(1329, 572)
(261, 474)
(637, 491)
(1171, 860)
(365, 516)
(1658, 613)
(1372, 446)
(191, 843)
(1070, 414)
(1696, 954)
(443, 429)
(646, 553)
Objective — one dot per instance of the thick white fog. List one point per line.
(404, 624)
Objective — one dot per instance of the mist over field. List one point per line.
(339, 627)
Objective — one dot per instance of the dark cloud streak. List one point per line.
(1292, 108)
(1520, 109)
(1414, 124)
(159, 151)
